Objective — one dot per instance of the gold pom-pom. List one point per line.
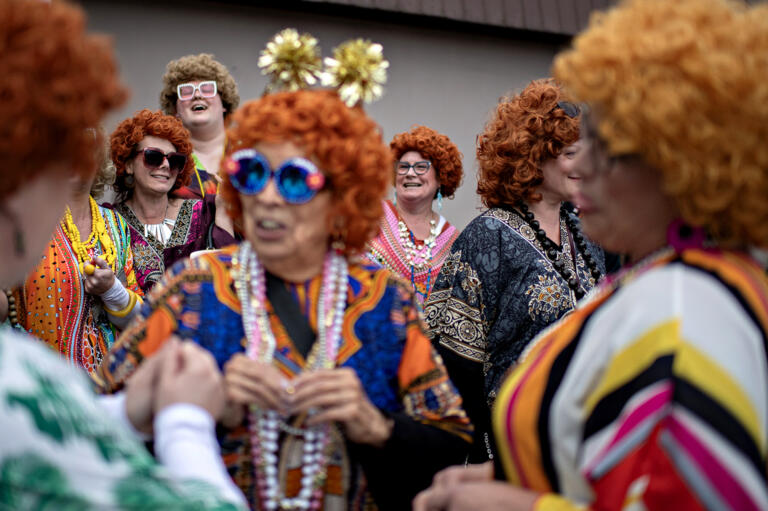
(292, 60)
(359, 71)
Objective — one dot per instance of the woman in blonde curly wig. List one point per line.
(414, 240)
(652, 395)
(201, 92)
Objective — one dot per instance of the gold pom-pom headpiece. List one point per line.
(358, 68)
(292, 61)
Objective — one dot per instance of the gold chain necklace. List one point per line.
(98, 235)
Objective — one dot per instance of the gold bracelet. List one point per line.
(128, 308)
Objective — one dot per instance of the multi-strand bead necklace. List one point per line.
(265, 425)
(99, 235)
(419, 259)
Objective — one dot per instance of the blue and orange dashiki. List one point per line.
(383, 341)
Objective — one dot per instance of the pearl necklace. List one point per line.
(265, 425)
(98, 235)
(418, 259)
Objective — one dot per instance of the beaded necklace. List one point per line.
(418, 258)
(553, 251)
(98, 235)
(265, 425)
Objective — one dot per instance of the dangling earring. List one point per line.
(129, 181)
(18, 234)
(394, 199)
(439, 201)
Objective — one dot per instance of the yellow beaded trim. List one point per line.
(98, 235)
(128, 308)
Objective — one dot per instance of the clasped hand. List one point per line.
(99, 277)
(326, 395)
(181, 372)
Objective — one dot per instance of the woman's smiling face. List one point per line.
(412, 187)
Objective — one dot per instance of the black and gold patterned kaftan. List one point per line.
(497, 290)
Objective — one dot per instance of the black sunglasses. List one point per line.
(153, 158)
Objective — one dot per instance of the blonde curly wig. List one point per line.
(198, 67)
(682, 84)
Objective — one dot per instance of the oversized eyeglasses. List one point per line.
(154, 157)
(186, 91)
(419, 167)
(298, 180)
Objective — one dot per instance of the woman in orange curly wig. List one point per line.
(413, 239)
(308, 337)
(523, 263)
(652, 394)
(151, 152)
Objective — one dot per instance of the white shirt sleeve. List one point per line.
(186, 444)
(114, 405)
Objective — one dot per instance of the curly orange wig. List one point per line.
(56, 85)
(198, 67)
(525, 131)
(683, 86)
(130, 132)
(435, 147)
(345, 144)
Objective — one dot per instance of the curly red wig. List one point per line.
(525, 131)
(345, 144)
(123, 142)
(56, 85)
(438, 149)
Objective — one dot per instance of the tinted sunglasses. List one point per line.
(186, 91)
(298, 180)
(153, 158)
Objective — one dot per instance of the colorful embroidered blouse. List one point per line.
(652, 395)
(387, 251)
(54, 307)
(496, 291)
(148, 251)
(383, 341)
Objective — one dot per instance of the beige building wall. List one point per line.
(447, 80)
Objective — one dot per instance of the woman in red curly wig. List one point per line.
(523, 263)
(311, 424)
(151, 152)
(414, 240)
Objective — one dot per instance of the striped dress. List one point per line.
(652, 395)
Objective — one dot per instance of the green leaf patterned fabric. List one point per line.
(60, 451)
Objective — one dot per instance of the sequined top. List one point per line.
(383, 340)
